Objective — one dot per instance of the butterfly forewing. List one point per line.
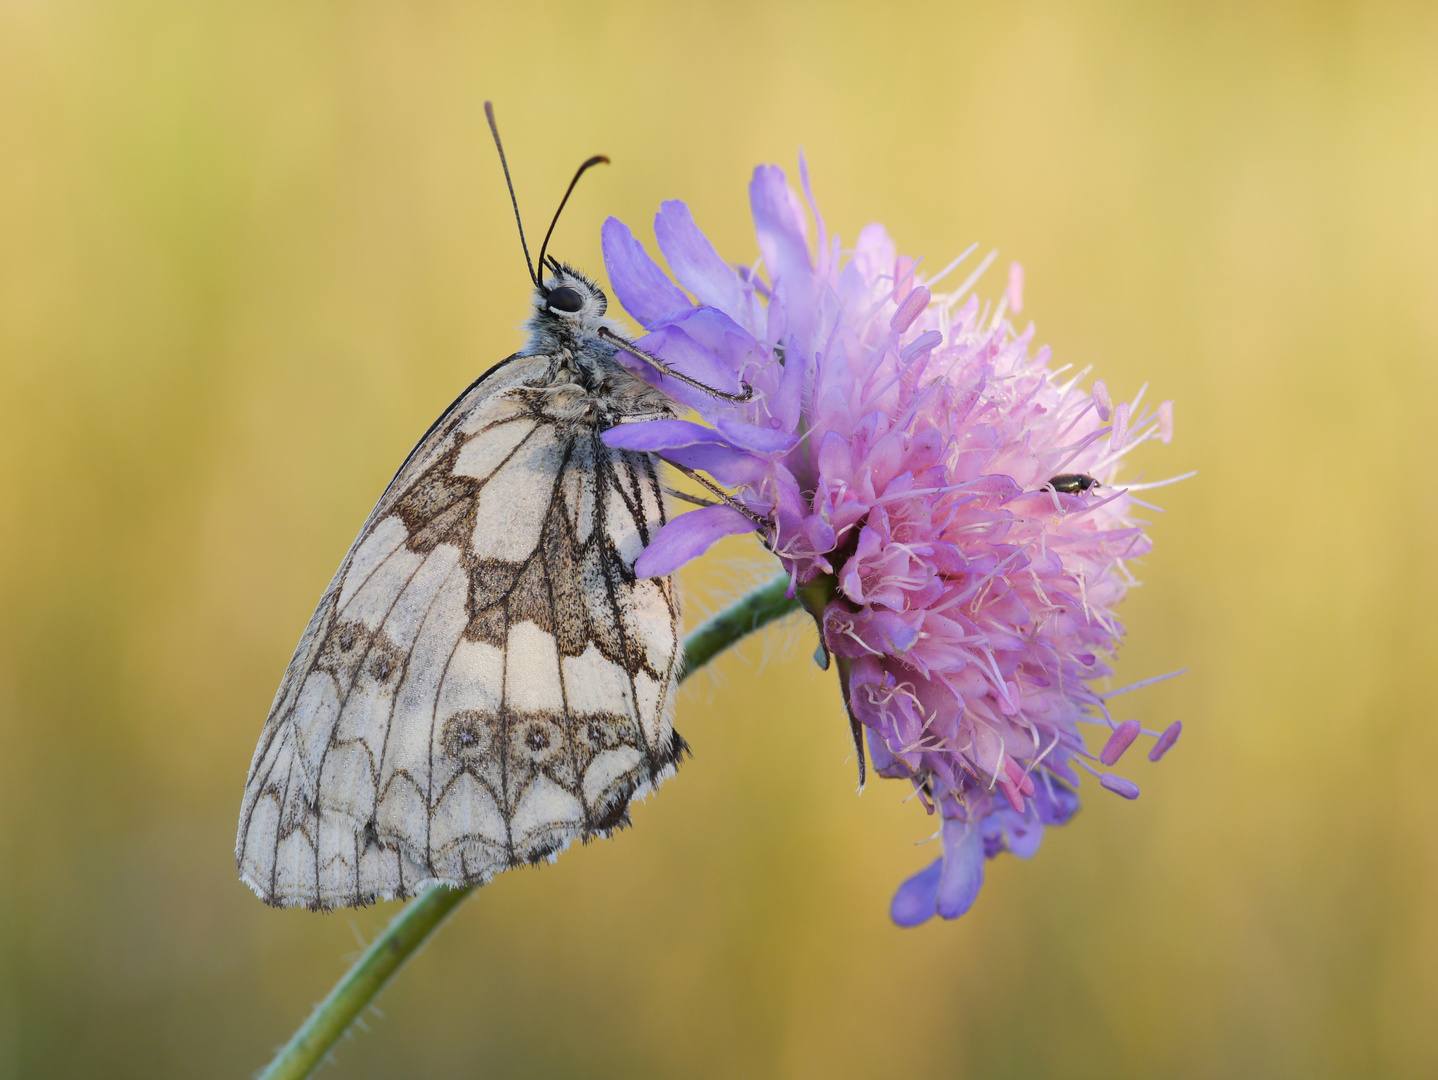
(485, 679)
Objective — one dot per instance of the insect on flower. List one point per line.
(486, 679)
(1072, 483)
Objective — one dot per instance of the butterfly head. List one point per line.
(567, 294)
(568, 308)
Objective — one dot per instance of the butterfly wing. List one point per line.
(485, 679)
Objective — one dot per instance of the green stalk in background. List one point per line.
(412, 926)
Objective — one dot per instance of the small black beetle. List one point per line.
(1072, 483)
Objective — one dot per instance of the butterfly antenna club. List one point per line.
(597, 159)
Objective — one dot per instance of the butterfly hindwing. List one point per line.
(485, 680)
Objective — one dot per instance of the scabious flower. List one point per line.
(942, 498)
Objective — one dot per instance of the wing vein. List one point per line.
(429, 801)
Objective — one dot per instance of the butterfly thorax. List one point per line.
(569, 313)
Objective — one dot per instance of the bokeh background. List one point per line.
(249, 249)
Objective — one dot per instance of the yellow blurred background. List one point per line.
(248, 250)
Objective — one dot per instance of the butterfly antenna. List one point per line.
(489, 115)
(597, 159)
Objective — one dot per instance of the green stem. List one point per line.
(363, 982)
(412, 926)
(743, 617)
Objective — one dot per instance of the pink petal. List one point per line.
(1016, 288)
(1166, 740)
(1012, 794)
(912, 307)
(903, 278)
(1101, 401)
(1120, 428)
(1121, 739)
(1021, 780)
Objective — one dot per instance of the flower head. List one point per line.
(943, 497)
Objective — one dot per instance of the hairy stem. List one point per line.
(739, 619)
(363, 982)
(412, 926)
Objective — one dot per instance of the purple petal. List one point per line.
(893, 629)
(822, 537)
(692, 258)
(714, 330)
(644, 289)
(925, 342)
(1055, 803)
(823, 245)
(1000, 487)
(760, 440)
(725, 464)
(874, 253)
(1024, 836)
(655, 435)
(963, 874)
(1121, 739)
(688, 357)
(866, 632)
(836, 459)
(786, 404)
(687, 537)
(917, 899)
(779, 222)
(884, 763)
(1119, 786)
(1166, 740)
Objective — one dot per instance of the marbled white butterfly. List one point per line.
(485, 679)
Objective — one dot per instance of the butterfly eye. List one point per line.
(564, 299)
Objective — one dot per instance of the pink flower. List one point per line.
(944, 500)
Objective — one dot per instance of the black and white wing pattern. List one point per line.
(485, 679)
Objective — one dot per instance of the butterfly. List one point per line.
(485, 680)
